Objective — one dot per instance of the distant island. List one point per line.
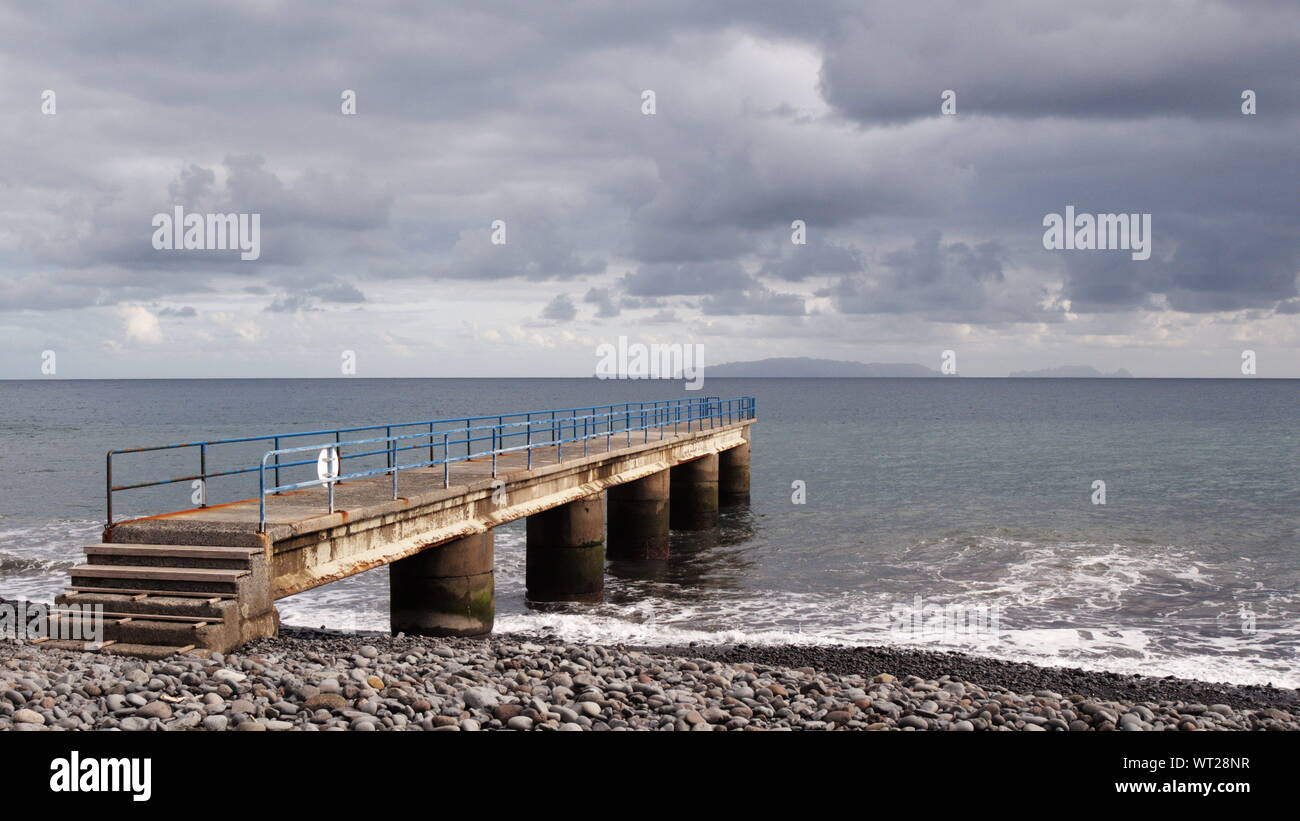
(1073, 372)
(809, 367)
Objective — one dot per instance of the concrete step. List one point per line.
(228, 558)
(145, 592)
(154, 600)
(126, 629)
(213, 608)
(154, 575)
(148, 651)
(196, 551)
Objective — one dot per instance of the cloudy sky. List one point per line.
(924, 229)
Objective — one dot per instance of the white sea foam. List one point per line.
(35, 558)
(1149, 609)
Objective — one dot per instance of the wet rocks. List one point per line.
(376, 683)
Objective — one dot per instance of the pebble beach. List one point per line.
(320, 681)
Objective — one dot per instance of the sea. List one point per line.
(1131, 525)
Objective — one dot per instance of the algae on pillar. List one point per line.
(445, 590)
(566, 552)
(638, 518)
(694, 502)
(733, 475)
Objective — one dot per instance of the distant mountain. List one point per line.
(807, 366)
(1074, 372)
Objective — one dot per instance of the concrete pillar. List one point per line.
(638, 518)
(566, 552)
(445, 590)
(695, 494)
(733, 476)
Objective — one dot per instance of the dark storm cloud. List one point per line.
(606, 305)
(1027, 59)
(560, 309)
(300, 222)
(527, 114)
(757, 301)
(942, 281)
(688, 279)
(818, 257)
(1206, 267)
(534, 248)
(307, 296)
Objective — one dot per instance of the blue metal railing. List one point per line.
(546, 428)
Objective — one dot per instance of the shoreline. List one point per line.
(313, 680)
(1013, 675)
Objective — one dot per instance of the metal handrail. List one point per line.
(552, 420)
(659, 415)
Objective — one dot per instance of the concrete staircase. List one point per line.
(158, 600)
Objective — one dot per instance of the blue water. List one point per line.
(965, 492)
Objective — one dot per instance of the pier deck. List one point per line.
(430, 515)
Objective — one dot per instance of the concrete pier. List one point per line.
(566, 552)
(638, 518)
(694, 492)
(445, 590)
(208, 576)
(733, 476)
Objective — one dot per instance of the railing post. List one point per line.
(261, 496)
(108, 489)
(446, 463)
(431, 443)
(392, 464)
(467, 438)
(203, 472)
(276, 448)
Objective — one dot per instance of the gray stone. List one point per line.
(155, 709)
(215, 723)
(226, 676)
